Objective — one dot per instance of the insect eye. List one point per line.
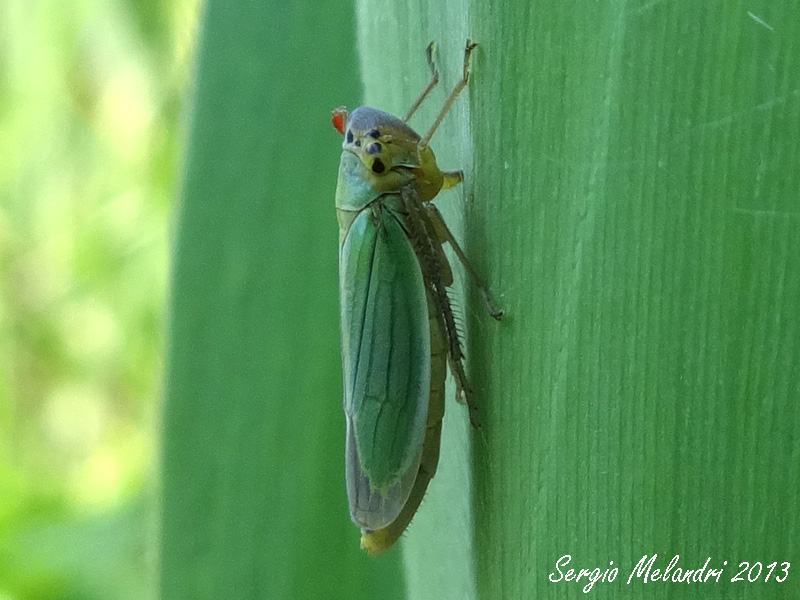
(374, 148)
(349, 137)
(378, 166)
(374, 133)
(358, 144)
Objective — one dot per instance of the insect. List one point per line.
(397, 325)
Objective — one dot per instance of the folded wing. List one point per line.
(386, 362)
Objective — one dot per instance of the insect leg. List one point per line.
(432, 271)
(451, 179)
(445, 235)
(452, 97)
(431, 84)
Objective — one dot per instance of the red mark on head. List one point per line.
(338, 118)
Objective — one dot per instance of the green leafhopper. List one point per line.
(397, 325)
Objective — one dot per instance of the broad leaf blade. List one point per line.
(633, 198)
(254, 499)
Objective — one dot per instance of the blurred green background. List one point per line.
(90, 98)
(99, 104)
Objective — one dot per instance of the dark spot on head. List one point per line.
(374, 148)
(358, 144)
(378, 166)
(349, 136)
(374, 133)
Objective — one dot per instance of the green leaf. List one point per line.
(632, 196)
(254, 502)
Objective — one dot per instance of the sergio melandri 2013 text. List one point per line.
(645, 571)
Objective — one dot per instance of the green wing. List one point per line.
(386, 363)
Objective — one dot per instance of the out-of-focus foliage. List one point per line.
(89, 103)
(252, 488)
